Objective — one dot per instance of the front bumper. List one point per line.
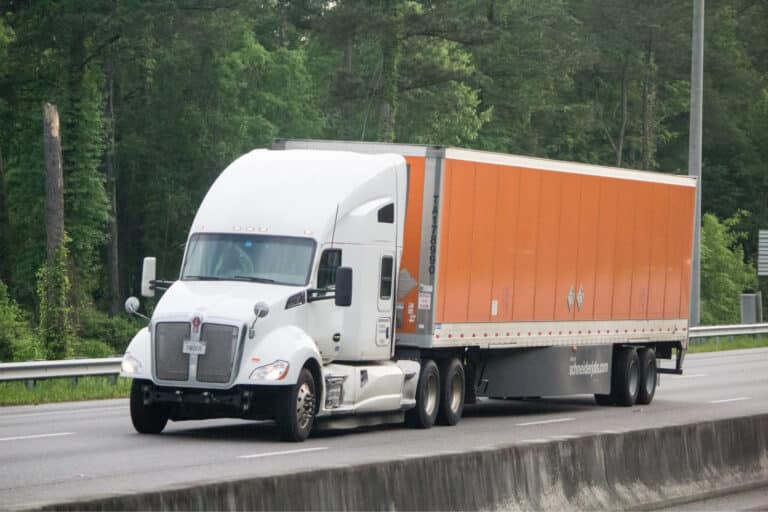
(246, 402)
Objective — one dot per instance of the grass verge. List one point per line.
(727, 343)
(63, 390)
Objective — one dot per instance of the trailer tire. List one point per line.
(625, 379)
(452, 395)
(295, 408)
(648, 376)
(427, 397)
(146, 419)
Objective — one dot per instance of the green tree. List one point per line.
(724, 273)
(55, 327)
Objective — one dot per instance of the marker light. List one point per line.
(272, 371)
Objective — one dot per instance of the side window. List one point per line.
(385, 286)
(387, 214)
(330, 260)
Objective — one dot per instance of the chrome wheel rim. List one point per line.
(455, 392)
(634, 379)
(650, 380)
(305, 406)
(431, 398)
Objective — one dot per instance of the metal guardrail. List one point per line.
(38, 370)
(713, 331)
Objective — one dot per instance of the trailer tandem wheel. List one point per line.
(648, 375)
(625, 378)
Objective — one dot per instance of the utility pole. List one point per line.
(694, 151)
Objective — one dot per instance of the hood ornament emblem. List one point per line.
(196, 324)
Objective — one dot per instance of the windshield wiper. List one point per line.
(253, 279)
(201, 278)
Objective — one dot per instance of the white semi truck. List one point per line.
(346, 284)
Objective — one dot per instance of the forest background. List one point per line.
(157, 97)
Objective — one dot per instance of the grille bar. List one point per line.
(221, 347)
(171, 363)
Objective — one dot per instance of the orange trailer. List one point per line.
(514, 264)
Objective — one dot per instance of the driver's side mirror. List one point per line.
(148, 276)
(343, 286)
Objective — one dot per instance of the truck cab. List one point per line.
(284, 305)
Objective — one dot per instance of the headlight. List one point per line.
(130, 364)
(272, 371)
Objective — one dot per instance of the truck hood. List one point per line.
(233, 300)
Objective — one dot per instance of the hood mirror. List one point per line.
(132, 307)
(261, 309)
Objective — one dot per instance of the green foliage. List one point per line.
(114, 332)
(55, 328)
(91, 348)
(189, 86)
(13, 326)
(724, 274)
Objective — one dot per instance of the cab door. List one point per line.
(384, 300)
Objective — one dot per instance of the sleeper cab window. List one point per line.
(330, 260)
(387, 214)
(385, 287)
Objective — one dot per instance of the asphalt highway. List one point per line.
(65, 451)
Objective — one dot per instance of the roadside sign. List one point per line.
(762, 253)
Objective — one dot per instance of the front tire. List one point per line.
(146, 419)
(625, 381)
(295, 409)
(427, 397)
(452, 387)
(648, 376)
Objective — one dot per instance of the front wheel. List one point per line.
(146, 418)
(296, 408)
(427, 397)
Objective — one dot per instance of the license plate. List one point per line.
(194, 347)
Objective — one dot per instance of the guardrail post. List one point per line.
(30, 384)
(113, 380)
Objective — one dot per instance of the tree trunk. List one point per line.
(390, 54)
(54, 181)
(113, 258)
(4, 228)
(624, 115)
(647, 148)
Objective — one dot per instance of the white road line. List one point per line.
(36, 436)
(690, 375)
(544, 422)
(726, 400)
(287, 452)
(99, 410)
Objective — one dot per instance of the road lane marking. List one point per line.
(36, 436)
(726, 400)
(286, 452)
(544, 422)
(690, 375)
(11, 416)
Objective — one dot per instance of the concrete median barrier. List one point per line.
(636, 469)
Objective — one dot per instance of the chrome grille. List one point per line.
(171, 363)
(220, 349)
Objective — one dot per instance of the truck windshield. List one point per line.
(258, 258)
